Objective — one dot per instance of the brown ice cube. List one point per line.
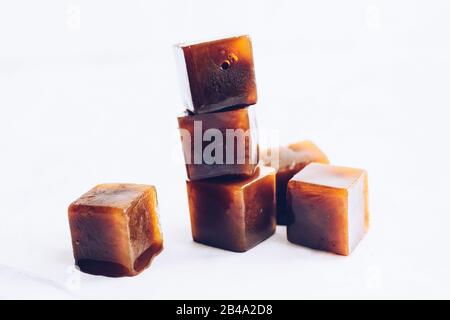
(115, 229)
(233, 214)
(221, 143)
(217, 74)
(328, 208)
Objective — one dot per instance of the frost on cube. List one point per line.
(217, 74)
(233, 214)
(222, 143)
(328, 208)
(115, 229)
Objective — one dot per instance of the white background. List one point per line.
(89, 94)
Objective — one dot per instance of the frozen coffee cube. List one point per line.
(115, 229)
(328, 208)
(220, 143)
(217, 74)
(231, 213)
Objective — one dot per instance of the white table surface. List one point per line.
(89, 94)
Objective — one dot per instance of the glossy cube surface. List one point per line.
(115, 229)
(217, 74)
(328, 208)
(222, 143)
(233, 214)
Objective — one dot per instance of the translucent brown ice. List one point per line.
(233, 214)
(220, 143)
(328, 208)
(115, 229)
(217, 74)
